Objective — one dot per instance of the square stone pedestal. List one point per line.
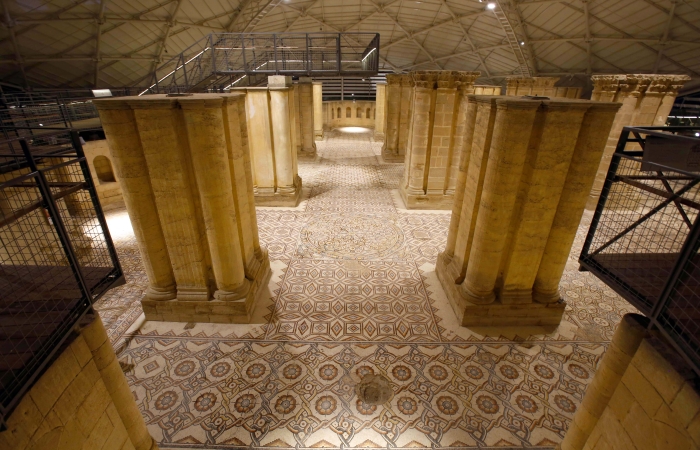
(212, 311)
(392, 158)
(496, 314)
(427, 201)
(277, 198)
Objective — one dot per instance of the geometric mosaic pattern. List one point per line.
(352, 301)
(354, 292)
(204, 393)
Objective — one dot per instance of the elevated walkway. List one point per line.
(223, 60)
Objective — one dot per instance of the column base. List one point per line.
(211, 311)
(379, 136)
(495, 314)
(161, 294)
(307, 154)
(391, 157)
(427, 201)
(318, 135)
(289, 199)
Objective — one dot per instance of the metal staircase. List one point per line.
(222, 60)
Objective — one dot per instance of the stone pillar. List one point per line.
(539, 193)
(275, 171)
(282, 142)
(294, 117)
(465, 85)
(241, 178)
(306, 117)
(405, 114)
(423, 108)
(464, 149)
(380, 112)
(432, 164)
(318, 110)
(625, 342)
(390, 150)
(514, 120)
(589, 149)
(167, 152)
(119, 125)
(195, 157)
(515, 191)
(103, 355)
(209, 152)
(646, 101)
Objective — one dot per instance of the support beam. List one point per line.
(515, 46)
(98, 40)
(166, 35)
(469, 52)
(13, 38)
(250, 13)
(587, 21)
(664, 37)
(467, 38)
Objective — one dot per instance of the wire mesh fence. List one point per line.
(644, 236)
(56, 255)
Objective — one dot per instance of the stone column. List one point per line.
(405, 113)
(442, 134)
(390, 150)
(318, 110)
(281, 133)
(628, 94)
(465, 127)
(592, 138)
(675, 83)
(242, 187)
(129, 161)
(417, 157)
(539, 193)
(306, 116)
(260, 141)
(167, 152)
(475, 168)
(294, 117)
(625, 342)
(514, 119)
(465, 84)
(205, 131)
(103, 355)
(380, 112)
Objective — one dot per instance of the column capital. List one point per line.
(516, 103)
(448, 79)
(606, 83)
(425, 79)
(394, 79)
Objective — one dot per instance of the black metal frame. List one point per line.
(217, 60)
(655, 267)
(36, 162)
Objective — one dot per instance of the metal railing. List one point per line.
(56, 255)
(221, 60)
(645, 234)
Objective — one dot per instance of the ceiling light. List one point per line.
(41, 125)
(697, 134)
(522, 42)
(491, 6)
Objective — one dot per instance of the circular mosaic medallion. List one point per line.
(352, 236)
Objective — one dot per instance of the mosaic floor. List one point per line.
(354, 292)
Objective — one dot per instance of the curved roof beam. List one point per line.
(250, 14)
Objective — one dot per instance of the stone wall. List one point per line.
(399, 94)
(100, 162)
(643, 396)
(352, 114)
(81, 401)
(487, 90)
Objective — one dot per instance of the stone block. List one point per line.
(686, 405)
(621, 401)
(658, 371)
(642, 390)
(54, 381)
